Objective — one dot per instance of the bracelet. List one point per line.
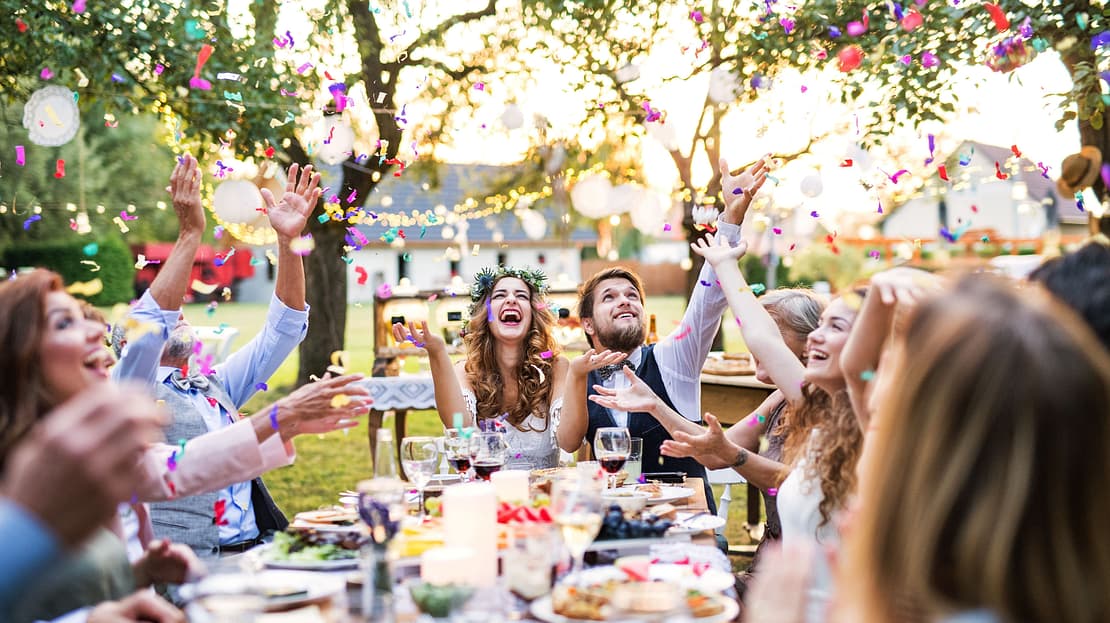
(741, 458)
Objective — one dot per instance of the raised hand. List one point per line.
(636, 398)
(903, 285)
(711, 448)
(322, 406)
(420, 337)
(717, 251)
(167, 563)
(739, 190)
(288, 217)
(592, 360)
(185, 189)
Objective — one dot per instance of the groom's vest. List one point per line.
(645, 426)
(191, 520)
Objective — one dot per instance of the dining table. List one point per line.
(489, 605)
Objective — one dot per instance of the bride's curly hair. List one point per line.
(533, 374)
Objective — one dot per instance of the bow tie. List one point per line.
(193, 381)
(609, 370)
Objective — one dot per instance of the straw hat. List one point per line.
(1079, 170)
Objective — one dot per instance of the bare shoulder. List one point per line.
(460, 374)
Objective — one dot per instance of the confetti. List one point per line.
(777, 230)
(912, 20)
(929, 60)
(547, 354)
(304, 68)
(362, 276)
(60, 169)
(95, 267)
(1017, 152)
(998, 16)
(998, 171)
(384, 291)
(20, 155)
(302, 246)
(46, 74)
(685, 331)
(900, 173)
(867, 375)
(21, 25)
(1100, 40)
(849, 58)
(127, 217)
(203, 288)
(218, 510)
(171, 462)
(340, 400)
(196, 82)
(814, 214)
(758, 288)
(31, 219)
(86, 288)
(1079, 201)
(220, 329)
(772, 491)
(847, 162)
(339, 362)
(942, 172)
(273, 418)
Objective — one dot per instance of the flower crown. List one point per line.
(484, 280)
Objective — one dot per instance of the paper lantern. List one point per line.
(512, 117)
(665, 134)
(812, 185)
(649, 214)
(237, 202)
(51, 116)
(533, 223)
(722, 85)
(628, 73)
(337, 139)
(624, 198)
(590, 195)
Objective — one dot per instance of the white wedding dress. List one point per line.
(533, 448)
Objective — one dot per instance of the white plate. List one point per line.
(316, 587)
(666, 494)
(710, 581)
(542, 610)
(692, 523)
(304, 565)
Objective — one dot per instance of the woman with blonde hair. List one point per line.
(513, 376)
(987, 501)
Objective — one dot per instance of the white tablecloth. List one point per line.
(401, 392)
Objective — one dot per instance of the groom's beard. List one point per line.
(624, 339)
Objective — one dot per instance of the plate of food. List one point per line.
(700, 576)
(692, 523)
(618, 600)
(267, 591)
(309, 549)
(660, 494)
(335, 519)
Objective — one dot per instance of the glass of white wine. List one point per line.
(420, 457)
(576, 503)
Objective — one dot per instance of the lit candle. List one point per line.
(470, 520)
(511, 485)
(446, 565)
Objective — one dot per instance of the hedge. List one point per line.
(117, 268)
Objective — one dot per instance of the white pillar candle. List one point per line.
(511, 485)
(446, 565)
(470, 520)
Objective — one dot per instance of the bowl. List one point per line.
(630, 502)
(439, 601)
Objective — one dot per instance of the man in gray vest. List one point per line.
(201, 400)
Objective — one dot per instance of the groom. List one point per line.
(611, 309)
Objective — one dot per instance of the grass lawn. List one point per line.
(327, 464)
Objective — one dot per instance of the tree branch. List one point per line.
(431, 35)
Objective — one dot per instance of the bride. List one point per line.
(513, 376)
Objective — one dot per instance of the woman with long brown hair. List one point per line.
(513, 376)
(988, 493)
(822, 436)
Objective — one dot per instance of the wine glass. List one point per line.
(488, 453)
(419, 457)
(576, 506)
(456, 445)
(612, 447)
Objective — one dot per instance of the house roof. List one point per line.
(456, 183)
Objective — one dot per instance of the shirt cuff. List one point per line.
(276, 453)
(77, 616)
(730, 231)
(283, 318)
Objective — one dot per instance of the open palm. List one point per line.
(742, 187)
(717, 251)
(288, 216)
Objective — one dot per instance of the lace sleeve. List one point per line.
(471, 403)
(554, 413)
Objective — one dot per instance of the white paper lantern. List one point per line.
(665, 134)
(51, 116)
(337, 139)
(533, 223)
(649, 214)
(512, 117)
(812, 185)
(624, 198)
(723, 85)
(237, 202)
(590, 195)
(628, 73)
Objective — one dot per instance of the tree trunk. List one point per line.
(326, 293)
(1088, 134)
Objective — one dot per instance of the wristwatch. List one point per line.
(741, 458)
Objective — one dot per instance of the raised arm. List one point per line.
(739, 190)
(638, 397)
(575, 419)
(863, 350)
(445, 377)
(760, 332)
(288, 218)
(713, 448)
(150, 321)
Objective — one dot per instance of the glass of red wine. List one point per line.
(456, 446)
(488, 453)
(612, 447)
